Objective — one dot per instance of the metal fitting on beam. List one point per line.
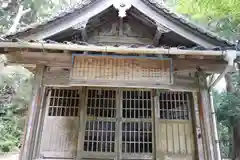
(230, 57)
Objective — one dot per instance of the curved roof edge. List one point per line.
(159, 8)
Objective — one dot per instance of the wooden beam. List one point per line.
(102, 83)
(28, 147)
(25, 65)
(64, 60)
(210, 66)
(40, 57)
(111, 49)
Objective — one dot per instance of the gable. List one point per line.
(133, 29)
(151, 16)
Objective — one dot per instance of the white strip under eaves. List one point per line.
(111, 49)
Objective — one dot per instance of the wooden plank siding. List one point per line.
(60, 132)
(174, 131)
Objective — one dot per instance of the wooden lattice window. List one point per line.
(137, 104)
(101, 103)
(101, 124)
(174, 105)
(137, 125)
(137, 137)
(99, 136)
(64, 102)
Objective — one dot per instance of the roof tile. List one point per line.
(160, 7)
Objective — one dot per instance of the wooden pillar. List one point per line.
(198, 131)
(34, 108)
(40, 120)
(205, 116)
(82, 124)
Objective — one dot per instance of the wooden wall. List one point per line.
(61, 124)
(174, 126)
(175, 140)
(56, 76)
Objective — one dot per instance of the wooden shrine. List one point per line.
(120, 80)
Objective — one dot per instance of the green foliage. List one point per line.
(221, 16)
(15, 91)
(228, 109)
(228, 113)
(40, 11)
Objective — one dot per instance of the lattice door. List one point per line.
(136, 126)
(59, 138)
(119, 124)
(100, 127)
(174, 132)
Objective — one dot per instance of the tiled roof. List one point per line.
(152, 3)
(177, 17)
(81, 43)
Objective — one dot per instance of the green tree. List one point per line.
(15, 91)
(220, 16)
(15, 14)
(228, 115)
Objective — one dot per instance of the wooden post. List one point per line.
(198, 131)
(158, 153)
(82, 122)
(29, 139)
(39, 124)
(205, 116)
(119, 123)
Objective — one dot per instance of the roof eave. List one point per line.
(190, 26)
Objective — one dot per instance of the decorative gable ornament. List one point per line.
(122, 6)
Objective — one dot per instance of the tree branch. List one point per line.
(21, 12)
